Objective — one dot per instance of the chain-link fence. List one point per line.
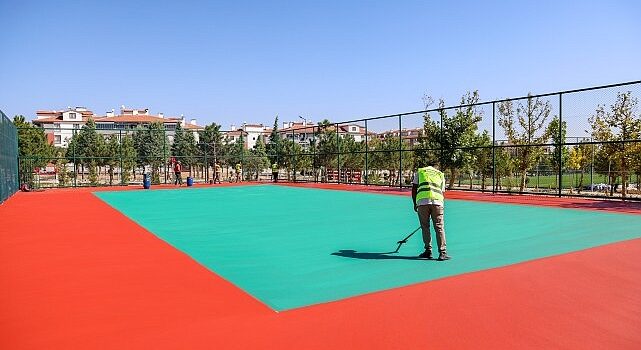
(8, 158)
(584, 142)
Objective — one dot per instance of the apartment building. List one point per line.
(60, 126)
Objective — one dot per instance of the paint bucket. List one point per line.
(146, 181)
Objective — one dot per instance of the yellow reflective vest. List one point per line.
(430, 184)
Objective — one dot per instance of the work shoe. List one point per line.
(444, 256)
(426, 255)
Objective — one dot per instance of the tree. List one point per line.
(93, 150)
(480, 161)
(60, 163)
(505, 167)
(619, 124)
(112, 153)
(326, 146)
(210, 144)
(275, 148)
(578, 160)
(524, 125)
(33, 149)
(184, 147)
(386, 156)
(449, 139)
(150, 143)
(558, 141)
(257, 160)
(128, 156)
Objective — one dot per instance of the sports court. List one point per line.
(313, 266)
(291, 247)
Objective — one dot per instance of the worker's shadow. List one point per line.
(350, 253)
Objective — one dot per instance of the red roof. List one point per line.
(59, 120)
(140, 118)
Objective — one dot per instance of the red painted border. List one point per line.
(548, 201)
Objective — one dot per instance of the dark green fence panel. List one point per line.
(8, 158)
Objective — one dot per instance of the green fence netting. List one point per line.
(8, 158)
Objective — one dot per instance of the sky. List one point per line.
(249, 61)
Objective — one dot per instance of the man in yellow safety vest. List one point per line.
(275, 172)
(428, 187)
(239, 171)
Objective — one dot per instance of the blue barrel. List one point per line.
(190, 181)
(146, 181)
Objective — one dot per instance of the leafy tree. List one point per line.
(326, 146)
(620, 123)
(112, 154)
(294, 160)
(210, 144)
(524, 125)
(150, 143)
(553, 131)
(33, 148)
(60, 162)
(386, 156)
(578, 161)
(480, 161)
(127, 154)
(184, 147)
(275, 147)
(448, 140)
(93, 149)
(257, 160)
(505, 167)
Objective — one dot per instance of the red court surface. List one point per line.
(100, 281)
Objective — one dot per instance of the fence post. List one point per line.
(164, 150)
(292, 158)
(206, 164)
(366, 152)
(315, 136)
(338, 152)
(400, 154)
(122, 179)
(592, 167)
(440, 146)
(560, 144)
(493, 147)
(18, 158)
(73, 151)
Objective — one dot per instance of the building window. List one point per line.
(76, 126)
(353, 128)
(57, 139)
(72, 115)
(56, 126)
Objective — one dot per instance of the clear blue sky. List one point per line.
(238, 61)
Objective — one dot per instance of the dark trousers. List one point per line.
(178, 178)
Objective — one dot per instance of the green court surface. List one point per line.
(291, 247)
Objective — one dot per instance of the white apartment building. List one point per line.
(305, 132)
(60, 125)
(411, 136)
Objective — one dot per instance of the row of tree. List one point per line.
(452, 140)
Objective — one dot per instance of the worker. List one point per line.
(178, 180)
(218, 173)
(275, 172)
(428, 187)
(239, 171)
